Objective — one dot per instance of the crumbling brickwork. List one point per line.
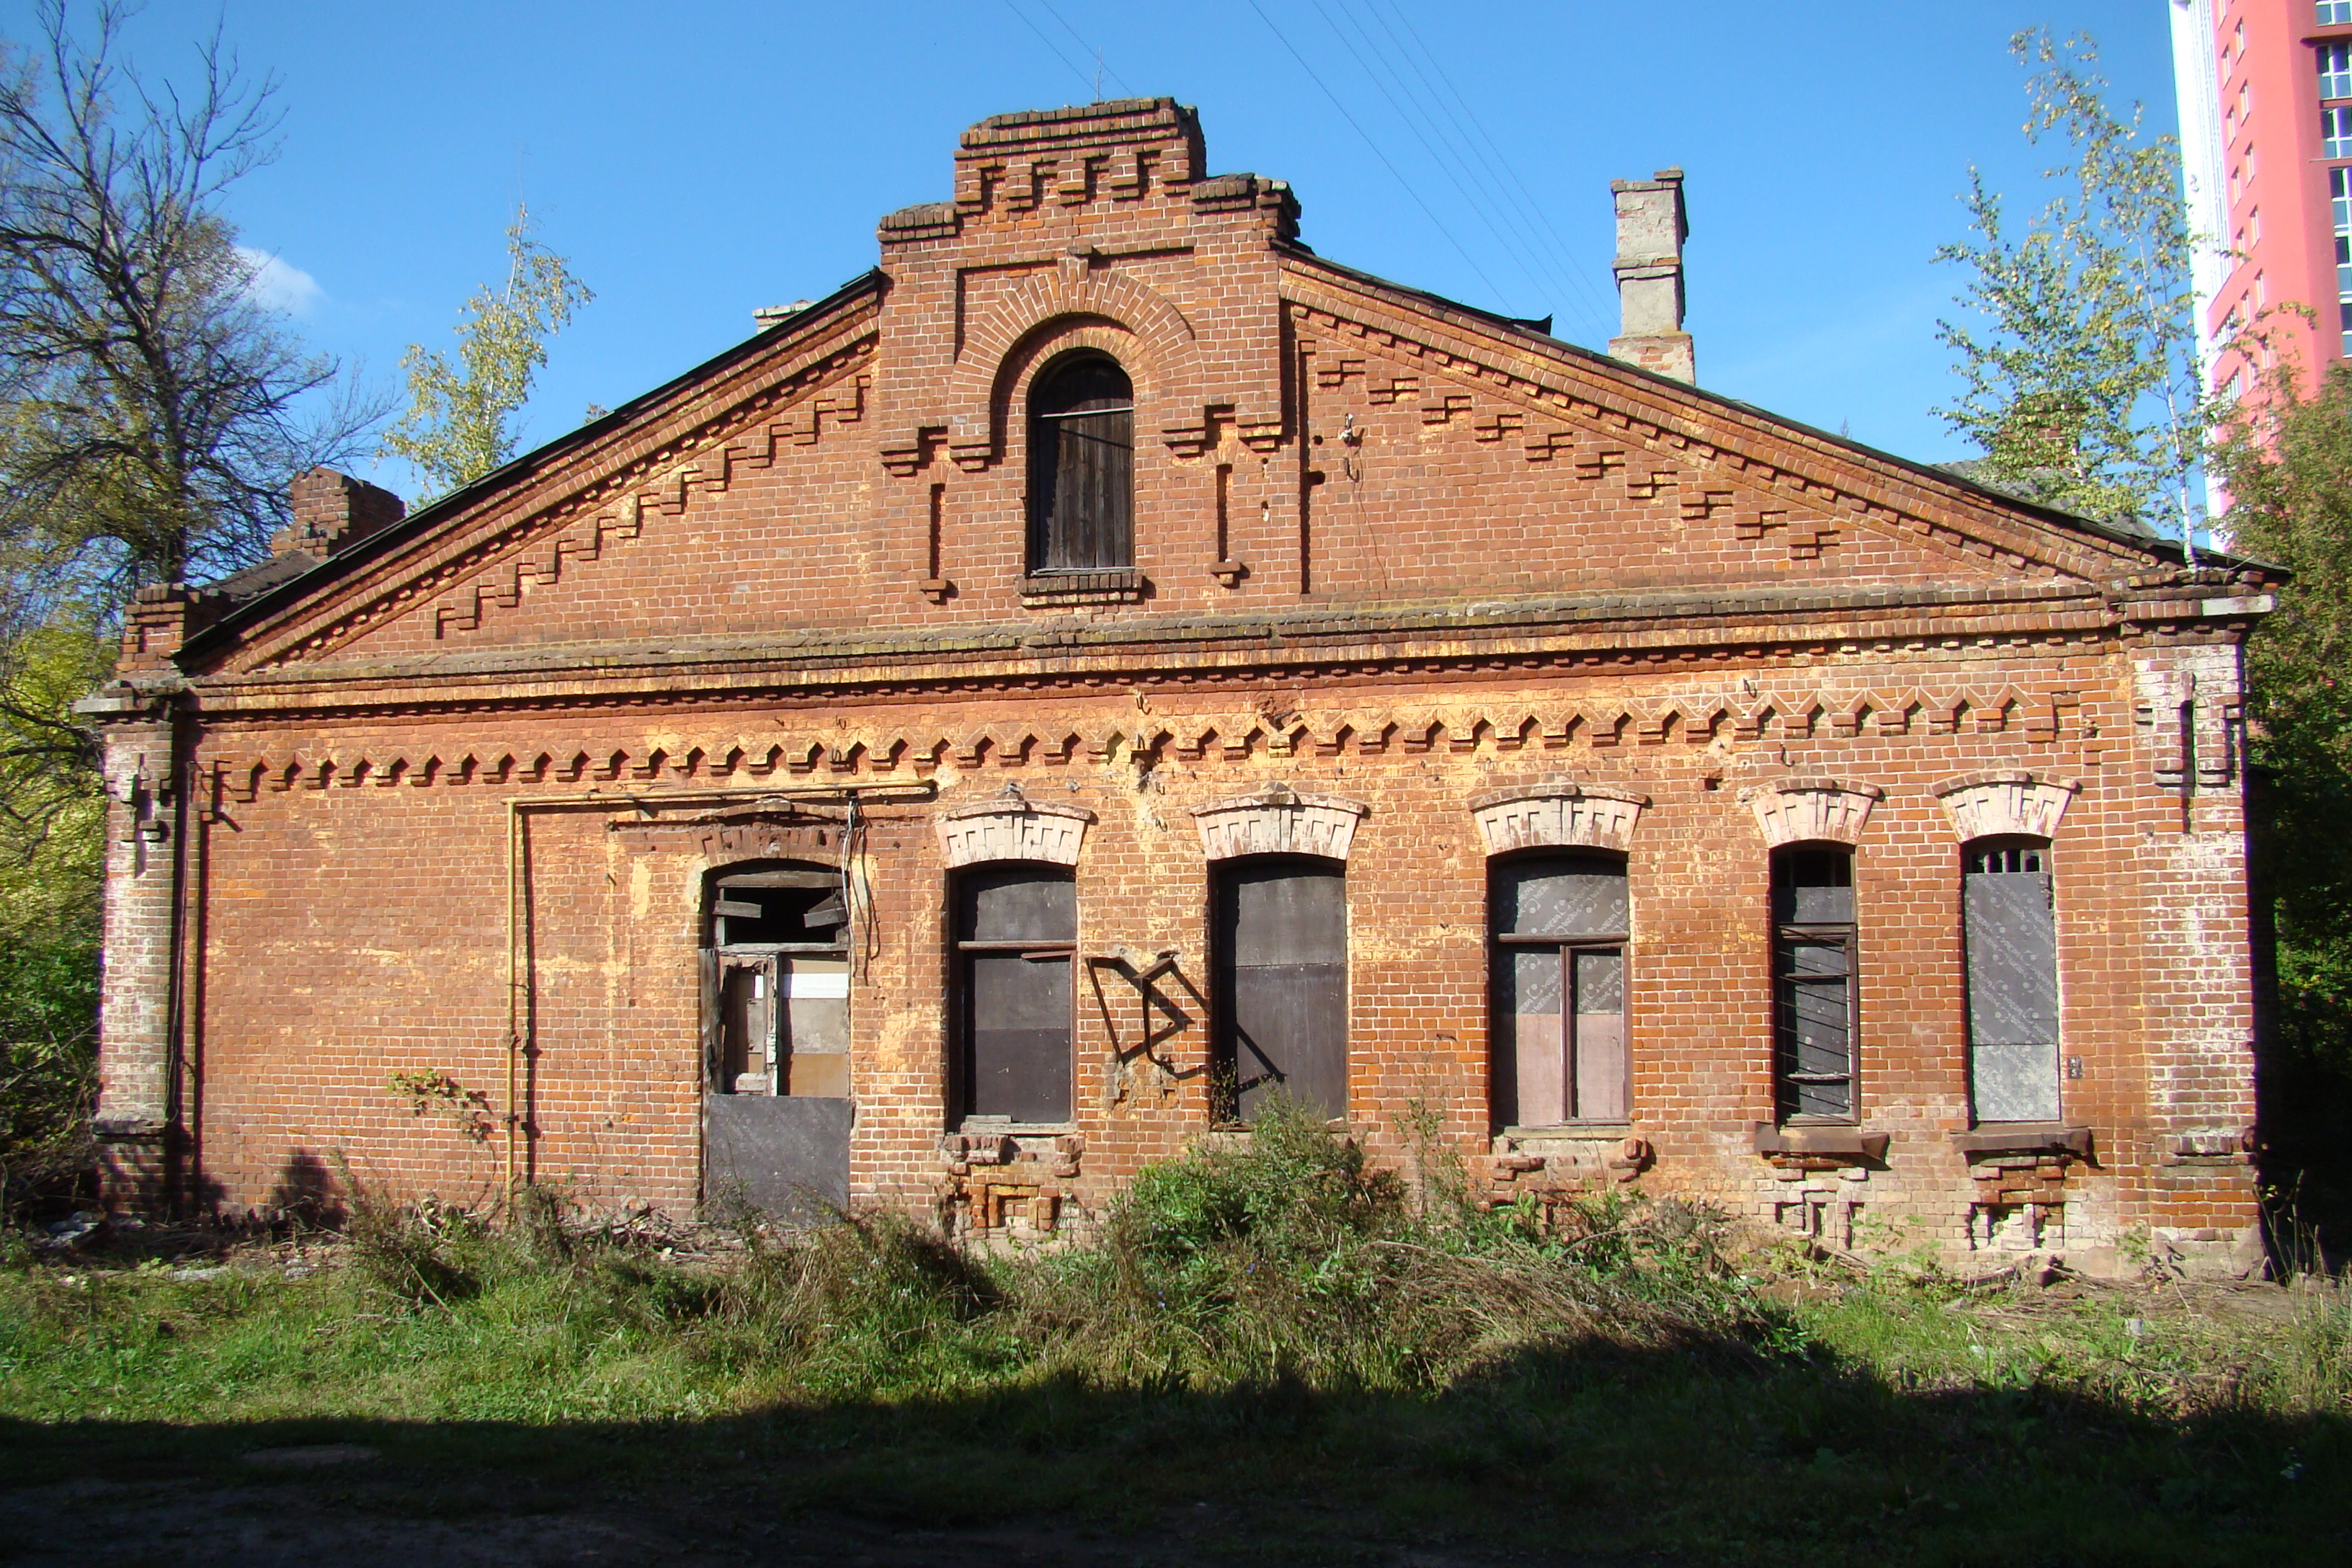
(1413, 586)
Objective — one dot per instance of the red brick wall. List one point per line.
(1474, 557)
(354, 929)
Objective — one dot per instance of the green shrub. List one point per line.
(49, 1036)
(426, 1252)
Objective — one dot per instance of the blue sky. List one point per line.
(694, 161)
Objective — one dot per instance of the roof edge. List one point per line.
(271, 602)
(1516, 327)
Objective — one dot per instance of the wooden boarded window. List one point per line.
(779, 975)
(1082, 468)
(1813, 982)
(1015, 928)
(1281, 984)
(1558, 962)
(2013, 955)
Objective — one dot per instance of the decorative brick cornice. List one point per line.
(1561, 814)
(1278, 820)
(1992, 804)
(1519, 391)
(1012, 828)
(734, 745)
(487, 560)
(1801, 810)
(1645, 634)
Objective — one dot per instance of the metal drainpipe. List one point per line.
(175, 1006)
(643, 803)
(514, 1002)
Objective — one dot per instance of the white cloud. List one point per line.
(278, 284)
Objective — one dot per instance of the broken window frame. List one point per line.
(2023, 856)
(769, 963)
(1503, 949)
(963, 1057)
(1789, 1082)
(1099, 533)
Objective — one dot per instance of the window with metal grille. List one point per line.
(1015, 928)
(2336, 70)
(2012, 958)
(1558, 964)
(1280, 978)
(1081, 467)
(1813, 982)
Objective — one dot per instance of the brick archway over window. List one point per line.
(2006, 805)
(1562, 815)
(1162, 358)
(1012, 828)
(1279, 821)
(1798, 811)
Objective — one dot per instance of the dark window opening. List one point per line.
(1813, 982)
(776, 981)
(1081, 467)
(2012, 935)
(1560, 925)
(1280, 979)
(1016, 931)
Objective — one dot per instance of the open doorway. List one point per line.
(775, 1007)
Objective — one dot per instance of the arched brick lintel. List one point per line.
(1558, 816)
(1795, 811)
(1013, 830)
(2002, 805)
(1162, 341)
(1279, 822)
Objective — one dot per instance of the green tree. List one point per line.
(152, 409)
(2286, 459)
(2084, 389)
(458, 425)
(52, 836)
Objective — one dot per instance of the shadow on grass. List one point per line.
(1586, 1456)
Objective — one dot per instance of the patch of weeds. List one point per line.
(420, 1254)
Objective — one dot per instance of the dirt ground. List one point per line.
(418, 1497)
(345, 1506)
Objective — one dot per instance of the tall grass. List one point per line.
(1285, 1261)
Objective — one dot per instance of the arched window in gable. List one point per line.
(1082, 467)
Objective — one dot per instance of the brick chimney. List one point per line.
(1650, 228)
(332, 510)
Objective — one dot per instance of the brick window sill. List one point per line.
(1995, 1138)
(1048, 589)
(1851, 1144)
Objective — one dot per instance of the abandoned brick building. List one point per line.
(1107, 665)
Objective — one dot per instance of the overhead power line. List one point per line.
(1595, 303)
(1485, 203)
(1354, 124)
(1051, 47)
(1096, 49)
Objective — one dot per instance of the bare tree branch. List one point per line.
(156, 409)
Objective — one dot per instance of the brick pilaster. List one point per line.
(136, 1107)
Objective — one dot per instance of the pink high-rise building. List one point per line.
(2266, 92)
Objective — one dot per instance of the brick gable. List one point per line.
(452, 796)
